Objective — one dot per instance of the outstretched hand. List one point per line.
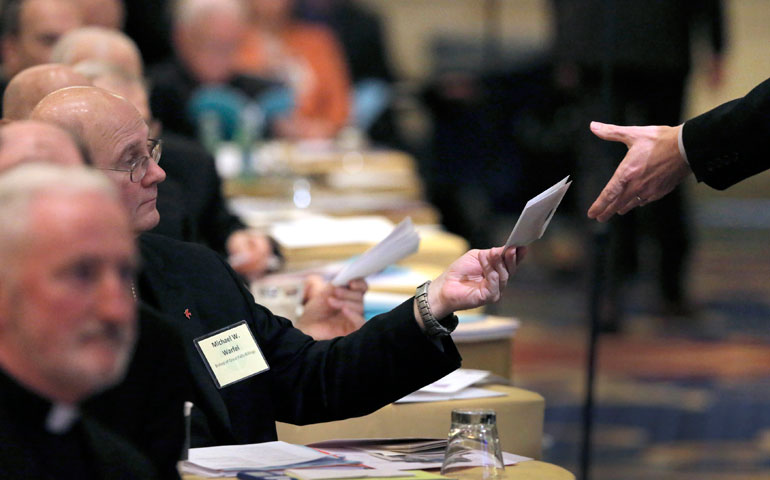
(332, 311)
(651, 168)
(477, 278)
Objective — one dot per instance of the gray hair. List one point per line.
(186, 12)
(22, 185)
(66, 47)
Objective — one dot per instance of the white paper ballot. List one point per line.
(402, 242)
(537, 214)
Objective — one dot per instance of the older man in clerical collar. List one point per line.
(67, 322)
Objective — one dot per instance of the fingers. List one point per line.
(344, 298)
(314, 285)
(610, 200)
(521, 253)
(345, 294)
(358, 285)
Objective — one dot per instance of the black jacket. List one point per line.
(308, 381)
(731, 142)
(86, 450)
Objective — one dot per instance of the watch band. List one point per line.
(433, 327)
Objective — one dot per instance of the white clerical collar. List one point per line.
(60, 418)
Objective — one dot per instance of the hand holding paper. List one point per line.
(402, 242)
(537, 214)
(475, 279)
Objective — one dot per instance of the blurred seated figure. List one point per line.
(30, 85)
(27, 141)
(363, 41)
(98, 43)
(62, 338)
(153, 423)
(29, 30)
(304, 57)
(206, 36)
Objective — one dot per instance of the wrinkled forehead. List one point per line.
(114, 139)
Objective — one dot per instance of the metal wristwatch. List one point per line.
(433, 327)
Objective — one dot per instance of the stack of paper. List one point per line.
(362, 450)
(402, 242)
(227, 460)
(537, 214)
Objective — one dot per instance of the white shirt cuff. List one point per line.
(680, 143)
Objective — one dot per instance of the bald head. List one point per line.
(100, 44)
(117, 80)
(30, 86)
(115, 135)
(34, 141)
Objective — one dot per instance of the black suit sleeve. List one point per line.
(731, 142)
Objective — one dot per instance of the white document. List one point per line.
(537, 214)
(465, 394)
(402, 242)
(325, 231)
(455, 381)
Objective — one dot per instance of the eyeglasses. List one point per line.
(138, 167)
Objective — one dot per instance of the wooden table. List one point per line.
(530, 470)
(519, 421)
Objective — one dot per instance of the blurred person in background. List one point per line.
(98, 44)
(363, 40)
(647, 46)
(305, 58)
(206, 35)
(32, 84)
(152, 422)
(30, 28)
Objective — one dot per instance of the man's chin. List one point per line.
(146, 222)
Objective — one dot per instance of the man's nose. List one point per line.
(115, 301)
(155, 174)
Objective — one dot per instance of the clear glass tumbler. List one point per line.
(473, 442)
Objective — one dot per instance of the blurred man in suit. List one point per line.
(67, 322)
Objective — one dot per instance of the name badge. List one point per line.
(231, 354)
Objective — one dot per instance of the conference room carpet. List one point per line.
(676, 398)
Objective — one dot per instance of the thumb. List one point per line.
(607, 131)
